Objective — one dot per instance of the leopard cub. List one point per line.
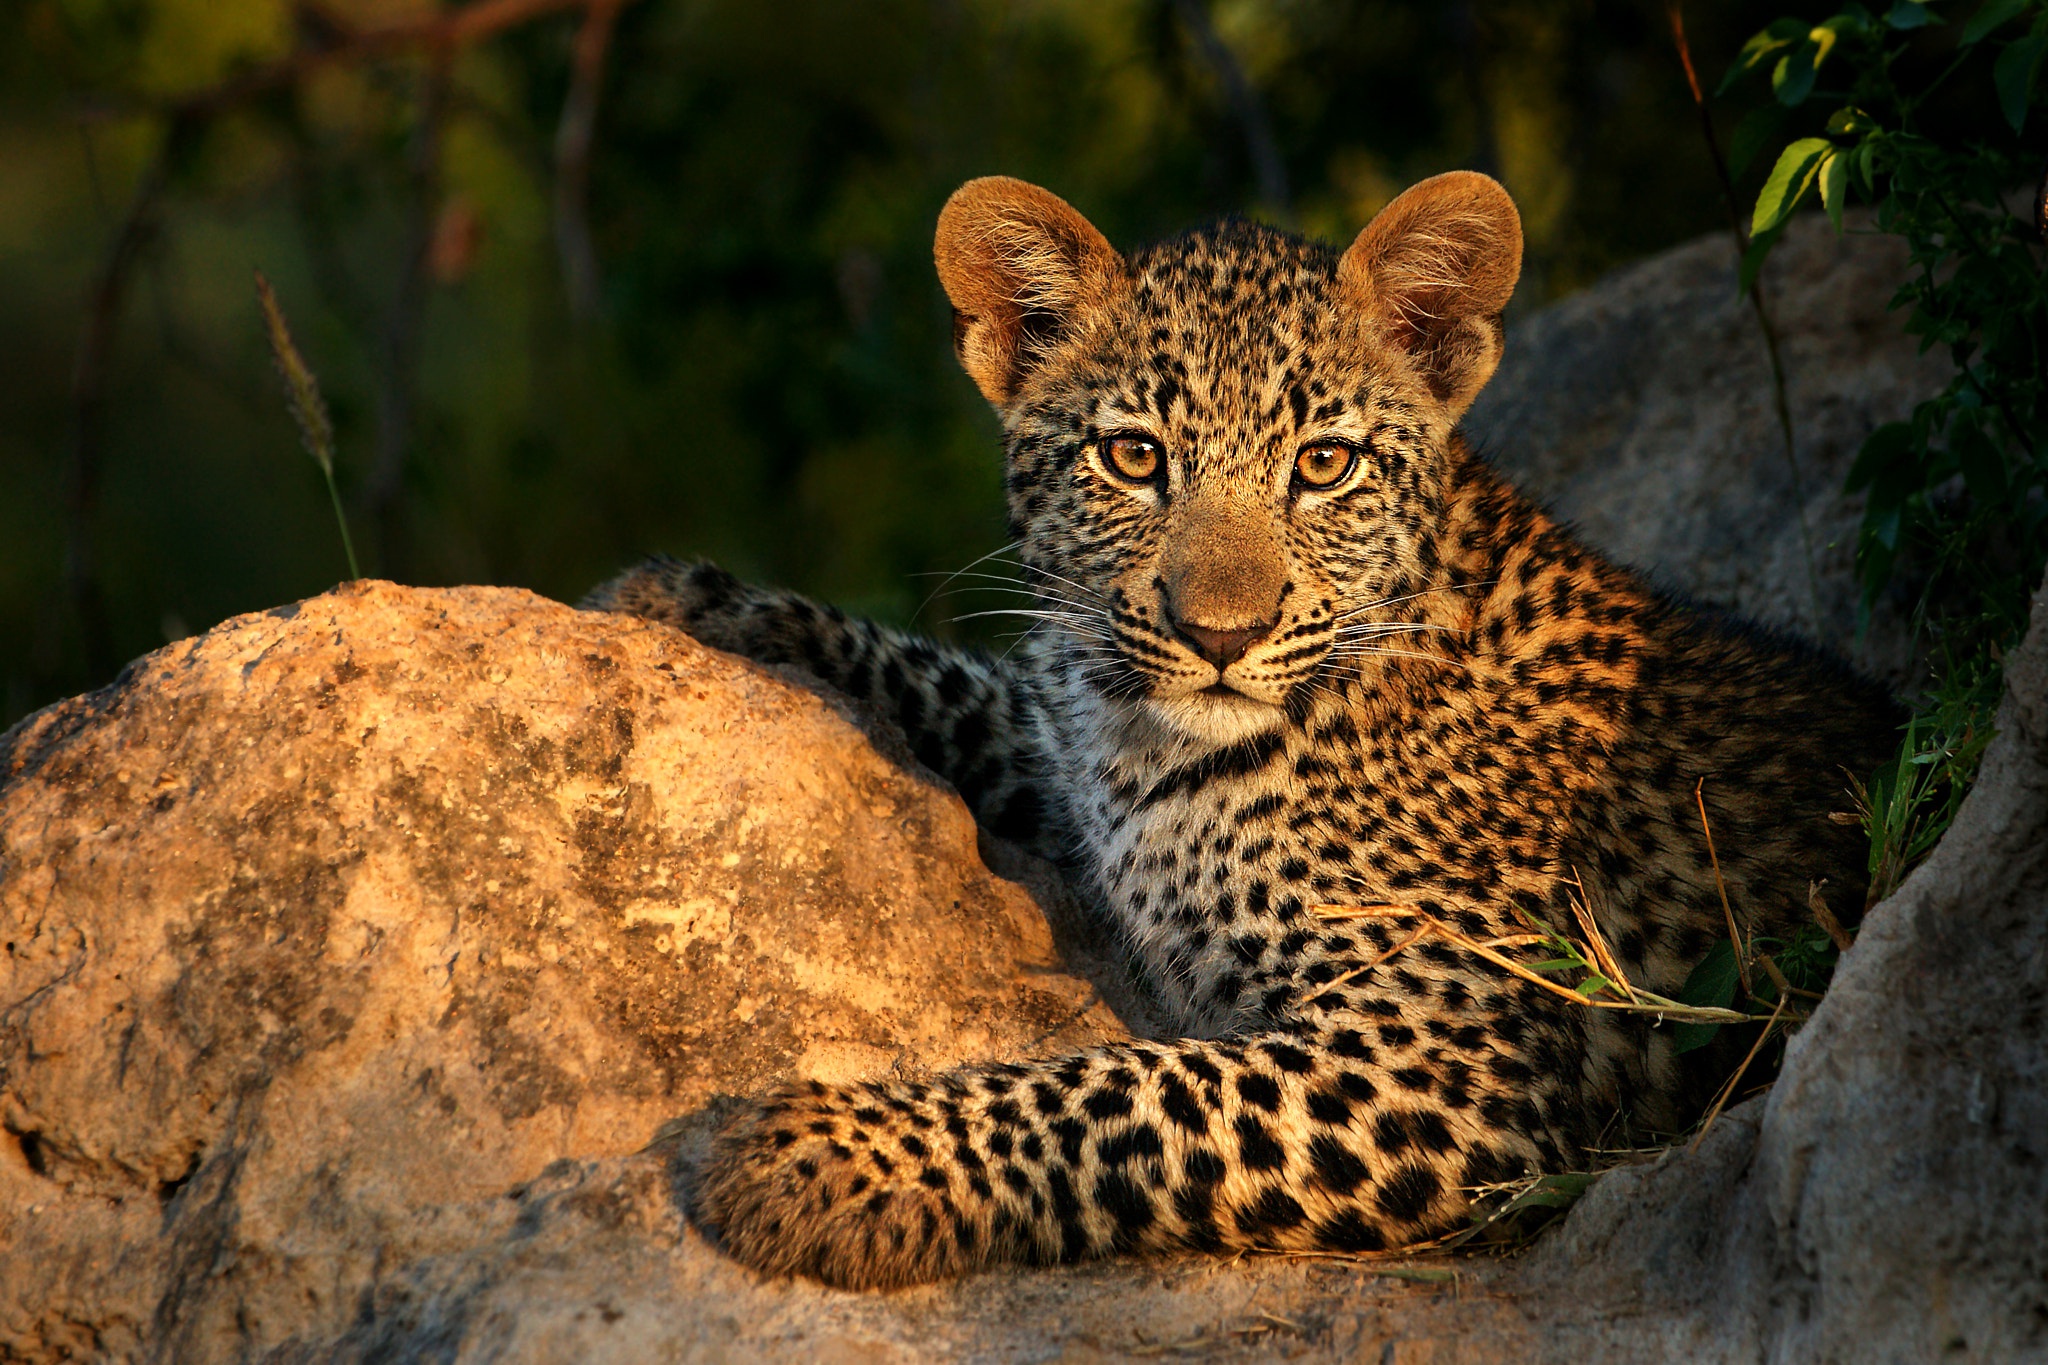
(1293, 645)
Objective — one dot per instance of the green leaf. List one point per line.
(1982, 464)
(1690, 1037)
(1788, 183)
(1712, 983)
(1849, 121)
(1824, 36)
(1781, 33)
(1759, 126)
(1793, 79)
(1882, 449)
(1834, 186)
(2013, 75)
(1595, 982)
(1993, 14)
(1909, 14)
(1874, 567)
(1551, 1192)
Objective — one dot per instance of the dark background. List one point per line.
(757, 367)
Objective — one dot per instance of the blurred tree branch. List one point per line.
(1268, 169)
(326, 41)
(338, 43)
(398, 350)
(88, 392)
(572, 159)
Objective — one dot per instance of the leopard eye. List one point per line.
(1131, 457)
(1323, 464)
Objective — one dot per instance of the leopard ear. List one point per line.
(1435, 268)
(1017, 262)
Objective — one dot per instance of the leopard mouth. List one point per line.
(1223, 693)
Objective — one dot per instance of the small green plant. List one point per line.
(1956, 496)
(1912, 799)
(309, 409)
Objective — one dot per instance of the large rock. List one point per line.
(371, 968)
(329, 931)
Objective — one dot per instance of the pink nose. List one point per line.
(1221, 647)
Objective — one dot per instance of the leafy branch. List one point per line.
(1955, 507)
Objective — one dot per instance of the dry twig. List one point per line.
(1728, 1090)
(1817, 905)
(1603, 956)
(1634, 1000)
(1699, 794)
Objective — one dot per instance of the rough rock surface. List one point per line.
(369, 968)
(1641, 411)
(327, 931)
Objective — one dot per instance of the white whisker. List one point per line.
(971, 564)
(1397, 601)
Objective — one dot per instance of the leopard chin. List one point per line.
(1218, 715)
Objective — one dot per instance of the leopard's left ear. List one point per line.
(1435, 268)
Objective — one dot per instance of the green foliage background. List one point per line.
(768, 378)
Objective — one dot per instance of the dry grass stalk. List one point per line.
(1817, 905)
(1728, 1090)
(1634, 1001)
(1603, 956)
(1400, 947)
(308, 408)
(1554, 1191)
(1699, 794)
(1785, 988)
(1399, 1253)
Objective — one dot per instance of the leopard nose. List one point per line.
(1222, 647)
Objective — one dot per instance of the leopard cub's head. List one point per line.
(1228, 450)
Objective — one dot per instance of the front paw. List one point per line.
(836, 1185)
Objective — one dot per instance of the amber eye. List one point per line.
(1323, 464)
(1132, 457)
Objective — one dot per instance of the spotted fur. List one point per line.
(1445, 702)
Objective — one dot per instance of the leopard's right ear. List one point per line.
(1017, 262)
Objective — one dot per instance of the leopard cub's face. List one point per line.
(1227, 473)
(1227, 454)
